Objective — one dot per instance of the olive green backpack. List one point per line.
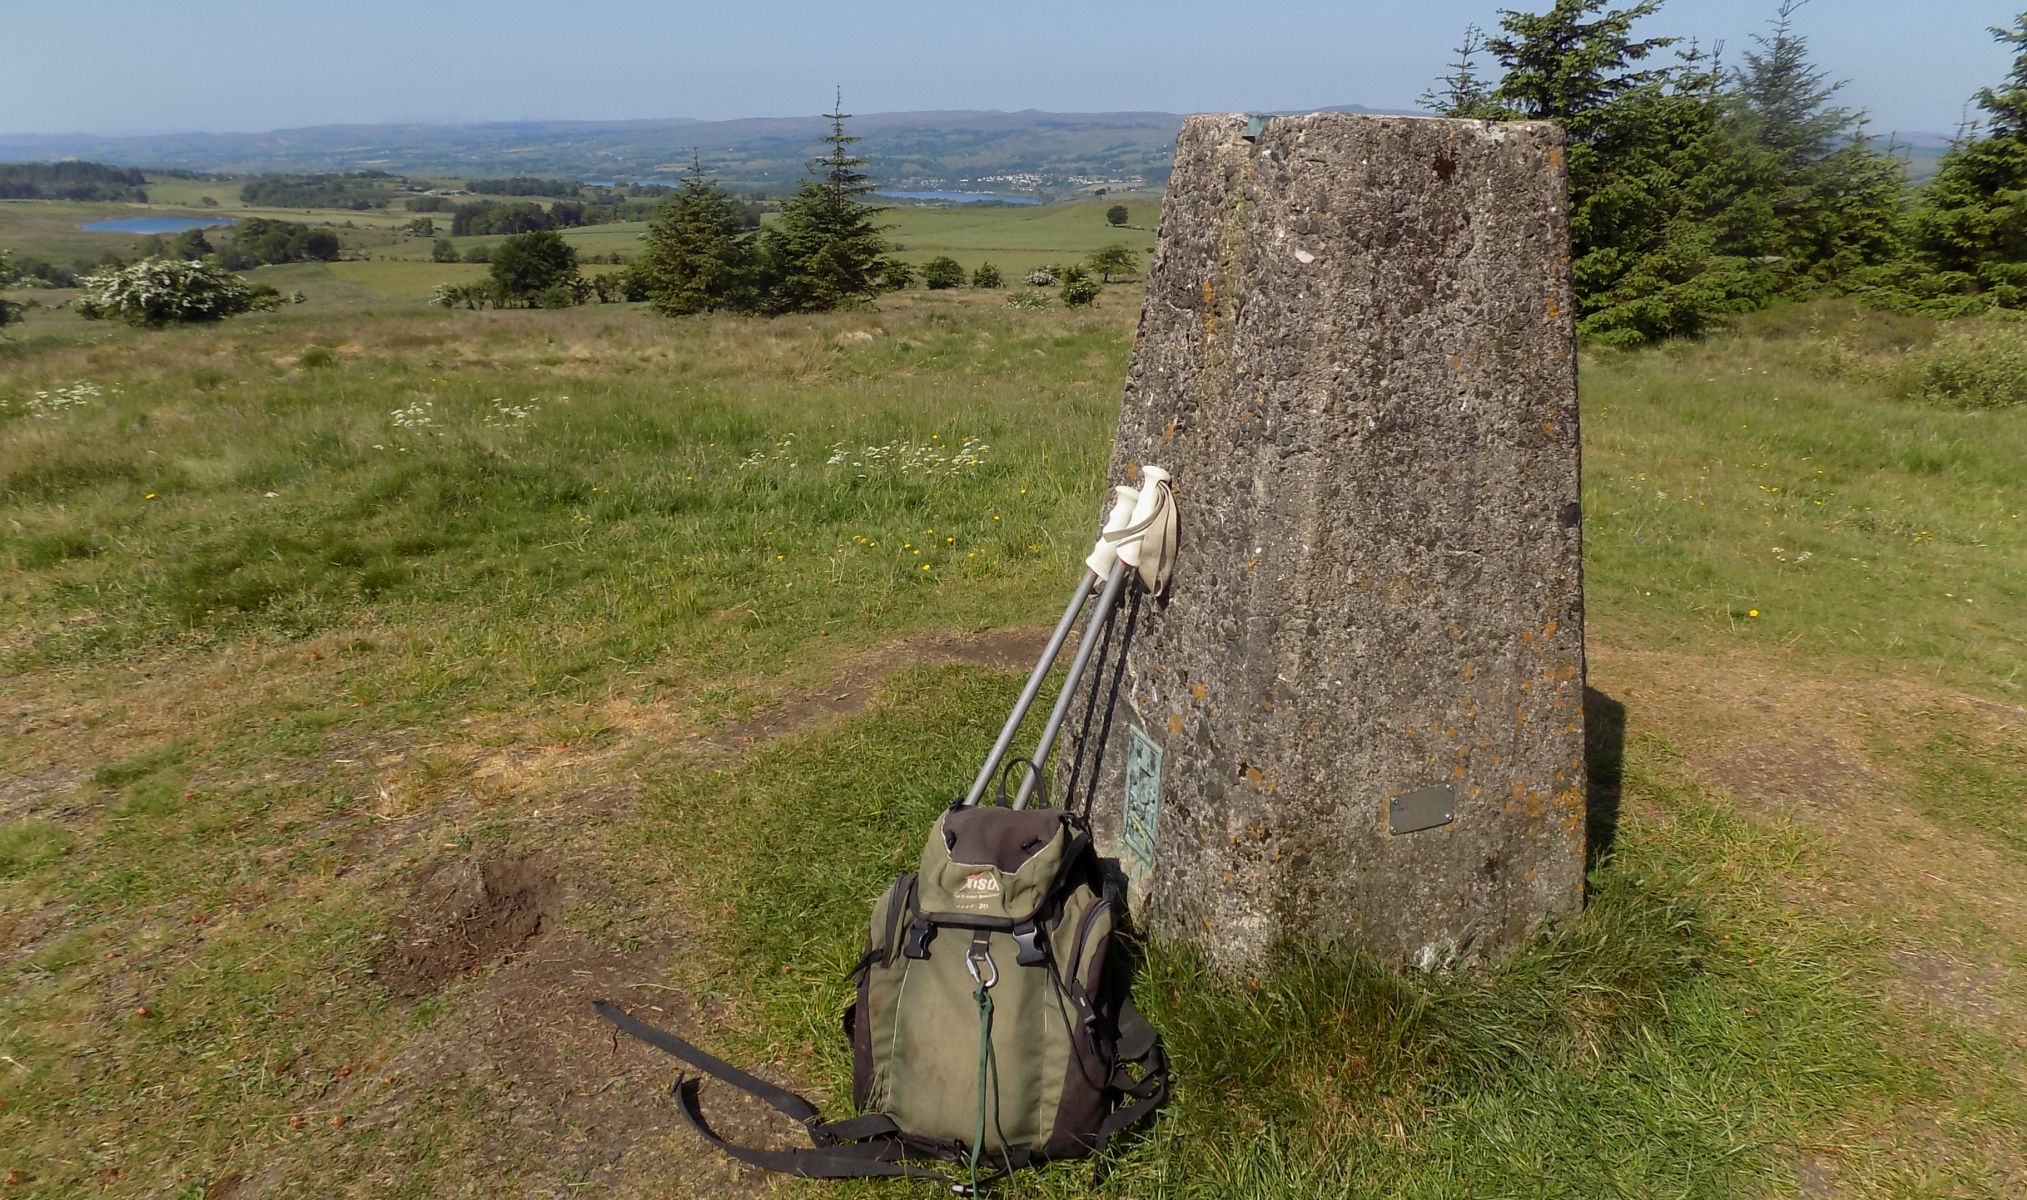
(992, 1026)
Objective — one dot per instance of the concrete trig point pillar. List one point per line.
(1360, 716)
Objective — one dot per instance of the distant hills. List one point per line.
(1044, 153)
(1048, 153)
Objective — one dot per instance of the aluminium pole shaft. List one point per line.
(1033, 688)
(1085, 646)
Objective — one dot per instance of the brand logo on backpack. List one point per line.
(979, 886)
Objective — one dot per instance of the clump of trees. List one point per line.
(1116, 215)
(536, 270)
(160, 291)
(353, 189)
(72, 181)
(532, 270)
(1970, 227)
(1699, 190)
(10, 312)
(826, 250)
(523, 185)
(942, 272)
(494, 217)
(258, 240)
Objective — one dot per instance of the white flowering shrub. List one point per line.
(1028, 300)
(158, 291)
(1042, 277)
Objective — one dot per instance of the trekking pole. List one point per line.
(1098, 567)
(1153, 510)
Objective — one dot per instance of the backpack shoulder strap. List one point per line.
(878, 1156)
(1139, 1045)
(855, 1148)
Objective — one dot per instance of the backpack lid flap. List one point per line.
(989, 861)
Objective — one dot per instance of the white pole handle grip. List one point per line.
(1143, 508)
(1103, 552)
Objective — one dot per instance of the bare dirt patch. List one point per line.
(853, 687)
(1787, 747)
(467, 915)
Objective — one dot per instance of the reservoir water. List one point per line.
(153, 224)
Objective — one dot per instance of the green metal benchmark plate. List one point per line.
(1143, 799)
(1424, 808)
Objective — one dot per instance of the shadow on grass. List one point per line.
(1604, 762)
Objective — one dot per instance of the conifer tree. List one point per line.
(699, 251)
(1823, 199)
(1653, 172)
(827, 250)
(1972, 225)
(1463, 92)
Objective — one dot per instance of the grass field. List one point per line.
(384, 683)
(391, 264)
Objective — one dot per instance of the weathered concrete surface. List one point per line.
(1357, 357)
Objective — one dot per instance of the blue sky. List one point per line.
(147, 65)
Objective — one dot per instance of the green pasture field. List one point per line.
(384, 683)
(48, 229)
(1017, 239)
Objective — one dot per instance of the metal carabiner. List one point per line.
(975, 954)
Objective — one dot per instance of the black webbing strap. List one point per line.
(858, 1160)
(854, 1148)
(781, 1099)
(1138, 1046)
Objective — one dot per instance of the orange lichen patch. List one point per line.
(1254, 777)
(1553, 309)
(1555, 156)
(1174, 724)
(1198, 691)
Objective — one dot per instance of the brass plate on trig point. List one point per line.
(1424, 808)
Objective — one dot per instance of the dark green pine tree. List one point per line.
(1653, 169)
(1972, 223)
(826, 249)
(700, 255)
(1574, 64)
(1823, 201)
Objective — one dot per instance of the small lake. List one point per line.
(962, 197)
(153, 224)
